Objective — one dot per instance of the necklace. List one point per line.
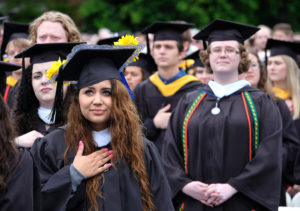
(216, 110)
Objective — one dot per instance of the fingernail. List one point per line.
(105, 149)
(80, 143)
(110, 151)
(109, 165)
(111, 155)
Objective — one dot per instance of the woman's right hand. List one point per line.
(92, 164)
(28, 139)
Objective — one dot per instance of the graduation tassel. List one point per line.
(126, 84)
(56, 113)
(24, 86)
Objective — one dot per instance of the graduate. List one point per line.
(100, 159)
(222, 149)
(157, 96)
(36, 94)
(19, 181)
(257, 76)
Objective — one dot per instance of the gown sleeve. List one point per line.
(159, 186)
(262, 175)
(56, 183)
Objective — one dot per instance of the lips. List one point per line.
(97, 111)
(46, 90)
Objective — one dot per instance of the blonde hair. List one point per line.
(20, 43)
(293, 83)
(67, 23)
(244, 63)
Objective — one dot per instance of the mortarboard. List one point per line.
(167, 30)
(13, 31)
(223, 30)
(280, 47)
(8, 67)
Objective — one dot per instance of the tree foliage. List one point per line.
(134, 15)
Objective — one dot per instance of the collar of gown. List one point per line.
(102, 137)
(45, 114)
(228, 89)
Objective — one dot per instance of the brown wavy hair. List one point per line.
(68, 24)
(8, 152)
(127, 142)
(244, 63)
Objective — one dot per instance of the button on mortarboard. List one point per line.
(223, 30)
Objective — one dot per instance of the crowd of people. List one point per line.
(174, 119)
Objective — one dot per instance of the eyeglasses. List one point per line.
(228, 51)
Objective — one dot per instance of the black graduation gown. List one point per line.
(218, 151)
(121, 189)
(290, 148)
(41, 127)
(149, 100)
(23, 186)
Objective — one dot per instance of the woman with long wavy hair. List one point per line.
(100, 160)
(18, 179)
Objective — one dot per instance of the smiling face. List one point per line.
(44, 91)
(224, 56)
(95, 104)
(51, 32)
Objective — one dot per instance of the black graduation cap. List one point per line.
(167, 30)
(222, 30)
(108, 41)
(195, 56)
(8, 67)
(145, 62)
(280, 47)
(13, 31)
(45, 52)
(88, 65)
